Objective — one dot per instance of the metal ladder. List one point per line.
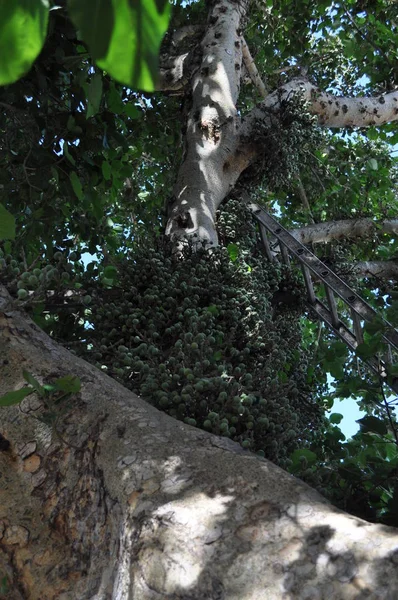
(359, 309)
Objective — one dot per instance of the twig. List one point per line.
(304, 199)
(365, 37)
(252, 70)
(386, 406)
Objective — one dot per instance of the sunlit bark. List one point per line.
(105, 498)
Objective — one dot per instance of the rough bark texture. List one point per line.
(115, 500)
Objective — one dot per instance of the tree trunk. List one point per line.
(104, 497)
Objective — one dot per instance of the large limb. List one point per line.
(103, 497)
(381, 269)
(346, 228)
(333, 111)
(212, 160)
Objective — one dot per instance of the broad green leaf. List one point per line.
(233, 252)
(94, 95)
(217, 355)
(69, 384)
(303, 453)
(76, 185)
(33, 382)
(213, 309)
(124, 37)
(282, 377)
(372, 162)
(15, 397)
(335, 418)
(23, 29)
(7, 224)
(106, 170)
(110, 272)
(65, 150)
(372, 424)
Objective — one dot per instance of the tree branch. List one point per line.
(377, 268)
(351, 228)
(252, 70)
(333, 111)
(174, 72)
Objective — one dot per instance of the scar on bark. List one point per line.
(184, 221)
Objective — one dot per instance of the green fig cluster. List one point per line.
(200, 338)
(286, 138)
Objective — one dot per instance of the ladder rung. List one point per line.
(265, 242)
(284, 253)
(378, 366)
(357, 326)
(308, 283)
(332, 306)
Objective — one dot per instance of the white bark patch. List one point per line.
(207, 173)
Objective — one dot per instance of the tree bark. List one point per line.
(346, 228)
(333, 111)
(383, 269)
(212, 159)
(106, 498)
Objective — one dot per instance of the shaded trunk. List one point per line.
(104, 497)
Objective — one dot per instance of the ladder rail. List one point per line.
(359, 309)
(326, 275)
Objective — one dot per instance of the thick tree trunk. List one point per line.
(212, 160)
(107, 498)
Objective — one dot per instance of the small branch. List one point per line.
(252, 70)
(386, 406)
(174, 72)
(304, 198)
(366, 38)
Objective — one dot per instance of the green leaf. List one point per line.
(69, 384)
(33, 382)
(7, 224)
(15, 397)
(301, 453)
(233, 252)
(372, 163)
(212, 309)
(369, 348)
(65, 150)
(335, 418)
(282, 377)
(110, 272)
(23, 29)
(94, 95)
(373, 425)
(76, 185)
(124, 37)
(106, 170)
